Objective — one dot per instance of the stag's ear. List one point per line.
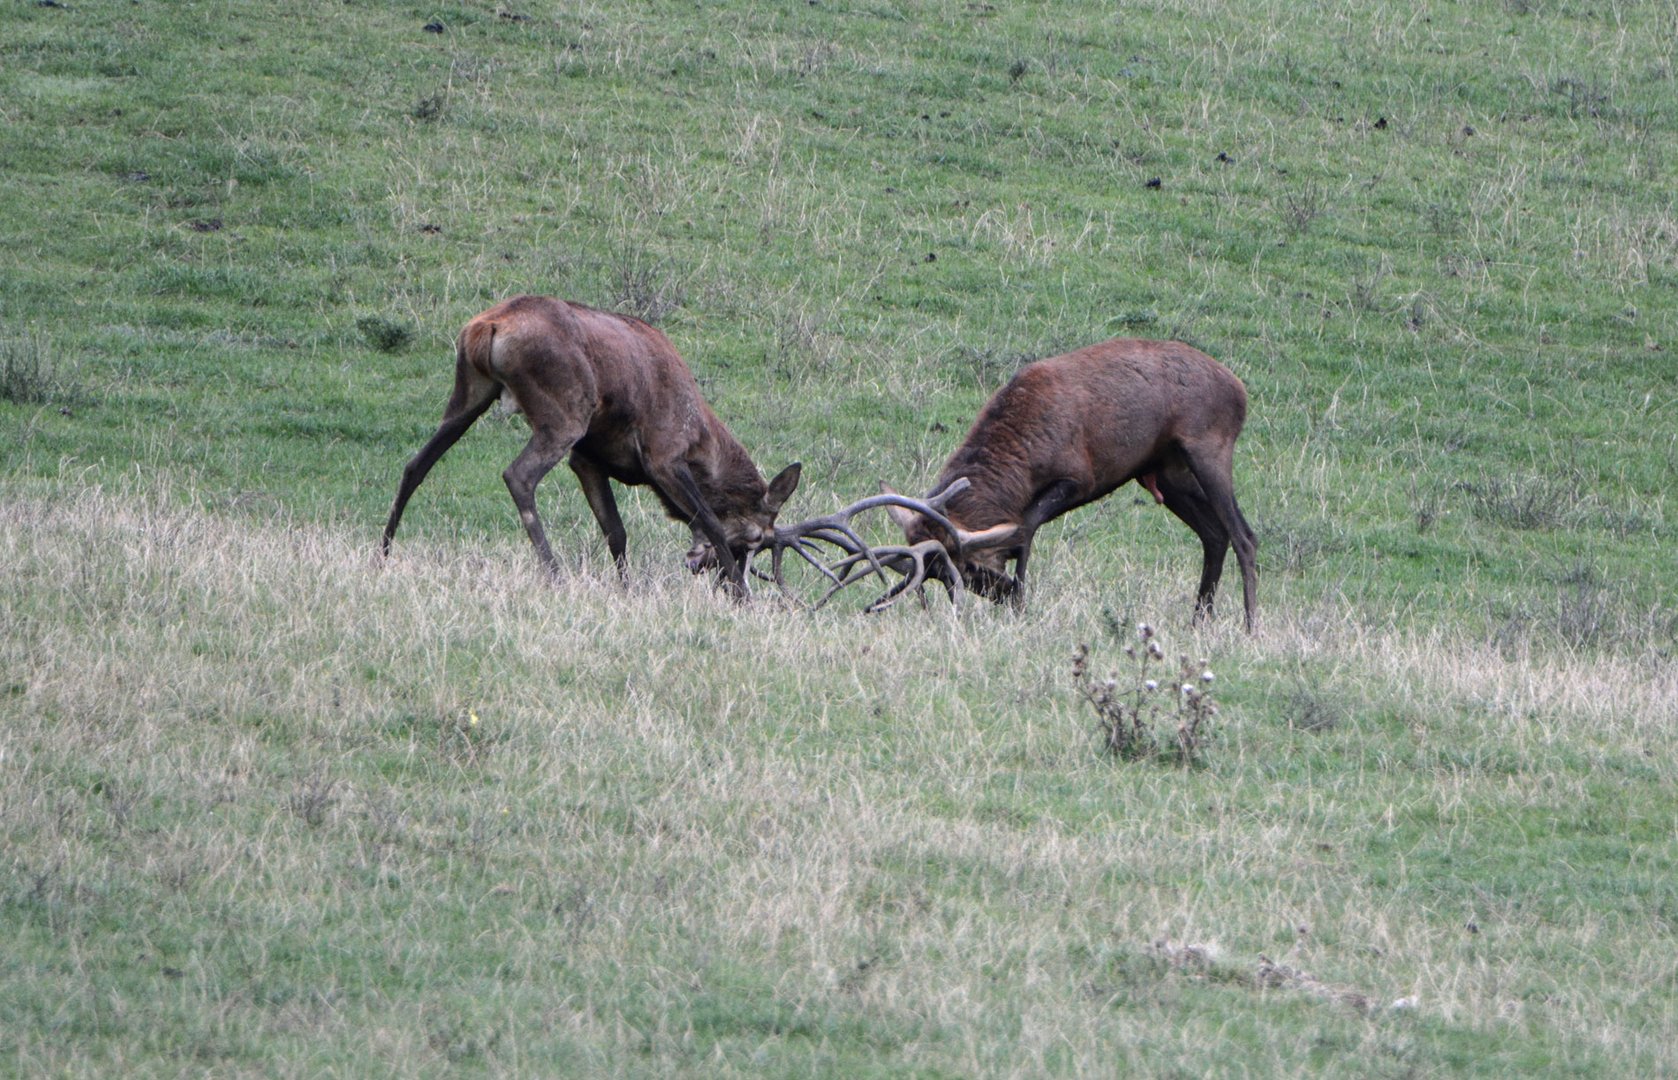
(781, 488)
(903, 516)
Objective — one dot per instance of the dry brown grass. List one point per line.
(900, 825)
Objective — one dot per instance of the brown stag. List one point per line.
(610, 391)
(1064, 432)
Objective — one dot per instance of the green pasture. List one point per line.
(271, 807)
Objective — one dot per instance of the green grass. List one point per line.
(253, 828)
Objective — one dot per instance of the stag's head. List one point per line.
(981, 556)
(748, 528)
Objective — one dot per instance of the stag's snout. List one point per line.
(996, 586)
(702, 555)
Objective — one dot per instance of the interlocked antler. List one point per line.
(862, 560)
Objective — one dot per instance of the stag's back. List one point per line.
(1101, 414)
(560, 343)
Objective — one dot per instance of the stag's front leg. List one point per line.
(679, 482)
(1050, 503)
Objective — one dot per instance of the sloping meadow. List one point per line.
(271, 803)
(274, 806)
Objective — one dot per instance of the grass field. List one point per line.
(271, 807)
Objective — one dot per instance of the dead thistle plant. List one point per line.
(1127, 715)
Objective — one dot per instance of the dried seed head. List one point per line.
(1145, 631)
(1155, 651)
(1151, 685)
(1206, 676)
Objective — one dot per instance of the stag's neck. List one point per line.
(999, 487)
(731, 482)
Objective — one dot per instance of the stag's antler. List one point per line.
(910, 560)
(862, 560)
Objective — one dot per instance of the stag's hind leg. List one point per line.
(473, 395)
(1183, 496)
(536, 460)
(558, 416)
(1214, 472)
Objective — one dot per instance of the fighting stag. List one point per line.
(1067, 431)
(611, 392)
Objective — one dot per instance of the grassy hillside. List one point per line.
(271, 809)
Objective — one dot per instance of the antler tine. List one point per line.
(844, 572)
(802, 547)
(932, 507)
(895, 556)
(835, 529)
(839, 521)
(913, 583)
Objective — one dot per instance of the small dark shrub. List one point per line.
(1310, 708)
(1530, 502)
(313, 800)
(383, 334)
(28, 374)
(1583, 609)
(1303, 207)
(646, 289)
(428, 109)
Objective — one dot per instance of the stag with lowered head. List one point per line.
(611, 392)
(1064, 432)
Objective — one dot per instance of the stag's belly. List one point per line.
(618, 458)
